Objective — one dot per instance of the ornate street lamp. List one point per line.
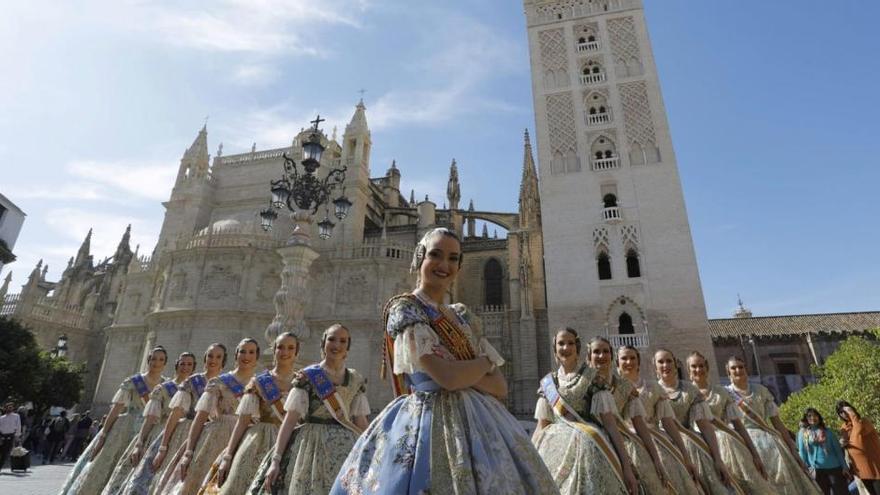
(303, 192)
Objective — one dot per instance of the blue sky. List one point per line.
(771, 107)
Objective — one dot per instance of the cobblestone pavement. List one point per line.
(38, 480)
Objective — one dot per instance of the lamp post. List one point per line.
(60, 349)
(303, 192)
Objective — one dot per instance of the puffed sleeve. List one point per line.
(360, 406)
(124, 393)
(181, 399)
(663, 409)
(249, 405)
(484, 348)
(634, 408)
(415, 341)
(208, 401)
(602, 403)
(298, 398)
(154, 405)
(699, 411)
(731, 411)
(543, 410)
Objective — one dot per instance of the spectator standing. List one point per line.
(10, 432)
(862, 443)
(80, 435)
(57, 429)
(821, 452)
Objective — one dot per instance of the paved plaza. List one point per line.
(39, 480)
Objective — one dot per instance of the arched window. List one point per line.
(592, 110)
(582, 40)
(609, 200)
(632, 264)
(591, 38)
(493, 278)
(603, 263)
(625, 324)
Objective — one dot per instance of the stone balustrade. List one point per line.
(588, 46)
(637, 340)
(597, 118)
(606, 163)
(611, 214)
(595, 78)
(253, 156)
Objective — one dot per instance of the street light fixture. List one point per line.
(302, 191)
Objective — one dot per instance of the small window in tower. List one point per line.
(582, 40)
(493, 277)
(601, 109)
(609, 200)
(625, 324)
(609, 154)
(603, 263)
(592, 110)
(598, 155)
(591, 39)
(633, 270)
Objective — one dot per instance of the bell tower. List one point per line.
(619, 256)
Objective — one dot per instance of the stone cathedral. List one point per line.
(600, 241)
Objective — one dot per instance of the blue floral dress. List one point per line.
(439, 441)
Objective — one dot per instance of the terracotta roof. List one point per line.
(778, 326)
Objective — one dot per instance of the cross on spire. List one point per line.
(317, 121)
(362, 91)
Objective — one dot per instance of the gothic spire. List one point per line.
(43, 273)
(5, 287)
(83, 254)
(453, 189)
(529, 197)
(358, 124)
(195, 160)
(412, 197)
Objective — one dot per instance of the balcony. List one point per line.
(588, 46)
(611, 214)
(637, 340)
(598, 118)
(606, 163)
(594, 78)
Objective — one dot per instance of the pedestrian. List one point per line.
(862, 443)
(80, 434)
(57, 430)
(820, 450)
(10, 432)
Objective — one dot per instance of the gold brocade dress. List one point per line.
(656, 406)
(782, 468)
(734, 452)
(259, 437)
(689, 407)
(220, 402)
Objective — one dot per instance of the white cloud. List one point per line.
(68, 191)
(276, 126)
(149, 180)
(73, 224)
(254, 74)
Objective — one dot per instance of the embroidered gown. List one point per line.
(462, 442)
(580, 462)
(734, 452)
(782, 468)
(316, 450)
(626, 398)
(220, 402)
(157, 407)
(689, 407)
(260, 435)
(656, 406)
(143, 481)
(89, 477)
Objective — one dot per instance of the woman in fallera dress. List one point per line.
(450, 433)
(690, 409)
(772, 440)
(578, 436)
(155, 412)
(331, 401)
(677, 465)
(259, 414)
(95, 464)
(146, 477)
(735, 445)
(631, 414)
(205, 442)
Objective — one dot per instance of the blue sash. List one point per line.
(232, 384)
(140, 385)
(319, 379)
(198, 383)
(170, 388)
(268, 387)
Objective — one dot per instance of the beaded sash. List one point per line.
(326, 391)
(232, 384)
(141, 387)
(271, 392)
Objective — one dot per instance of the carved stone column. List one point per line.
(292, 296)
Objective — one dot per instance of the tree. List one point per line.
(28, 374)
(851, 373)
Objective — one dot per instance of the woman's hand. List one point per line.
(759, 465)
(223, 470)
(159, 459)
(135, 456)
(271, 477)
(442, 352)
(721, 469)
(183, 466)
(692, 471)
(99, 444)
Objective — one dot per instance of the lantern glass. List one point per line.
(267, 217)
(280, 193)
(342, 206)
(313, 149)
(325, 228)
